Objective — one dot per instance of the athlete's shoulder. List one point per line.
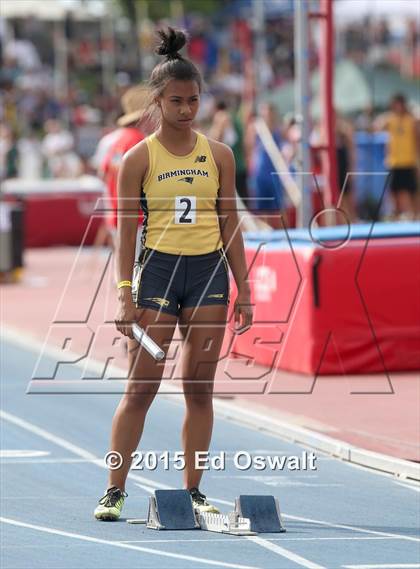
(411, 117)
(135, 161)
(138, 152)
(222, 152)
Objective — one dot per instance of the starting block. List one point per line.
(262, 511)
(173, 510)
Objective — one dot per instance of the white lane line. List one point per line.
(17, 453)
(234, 539)
(416, 488)
(352, 528)
(285, 553)
(44, 498)
(124, 545)
(148, 489)
(338, 526)
(42, 460)
(208, 540)
(47, 435)
(224, 502)
(385, 566)
(78, 451)
(88, 455)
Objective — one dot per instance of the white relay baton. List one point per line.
(148, 344)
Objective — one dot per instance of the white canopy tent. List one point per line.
(52, 11)
(346, 11)
(56, 12)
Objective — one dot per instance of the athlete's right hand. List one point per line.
(127, 315)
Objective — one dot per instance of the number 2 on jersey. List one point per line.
(185, 209)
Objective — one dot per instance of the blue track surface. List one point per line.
(53, 495)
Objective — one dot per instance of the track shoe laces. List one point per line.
(201, 503)
(110, 505)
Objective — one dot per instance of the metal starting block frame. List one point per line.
(173, 510)
(231, 523)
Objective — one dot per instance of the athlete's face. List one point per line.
(398, 106)
(179, 103)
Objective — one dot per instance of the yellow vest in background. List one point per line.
(402, 141)
(178, 199)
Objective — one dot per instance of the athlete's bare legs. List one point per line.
(404, 204)
(203, 329)
(143, 383)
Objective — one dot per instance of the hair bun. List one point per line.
(171, 42)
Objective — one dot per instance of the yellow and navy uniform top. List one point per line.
(402, 141)
(178, 199)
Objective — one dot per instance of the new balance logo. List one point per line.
(202, 158)
(187, 179)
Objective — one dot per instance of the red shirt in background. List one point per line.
(128, 137)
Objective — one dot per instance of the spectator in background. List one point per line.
(344, 140)
(222, 127)
(30, 156)
(365, 119)
(107, 140)
(382, 33)
(23, 52)
(134, 102)
(402, 154)
(238, 150)
(57, 148)
(292, 137)
(345, 159)
(227, 127)
(109, 132)
(269, 200)
(410, 64)
(8, 153)
(9, 112)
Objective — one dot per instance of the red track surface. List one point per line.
(57, 286)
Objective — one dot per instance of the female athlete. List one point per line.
(190, 232)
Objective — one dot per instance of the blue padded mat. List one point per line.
(337, 233)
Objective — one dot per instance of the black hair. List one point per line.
(399, 98)
(175, 66)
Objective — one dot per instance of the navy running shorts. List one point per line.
(167, 282)
(403, 179)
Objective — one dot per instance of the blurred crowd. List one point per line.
(373, 42)
(53, 126)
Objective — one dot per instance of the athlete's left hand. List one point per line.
(243, 310)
